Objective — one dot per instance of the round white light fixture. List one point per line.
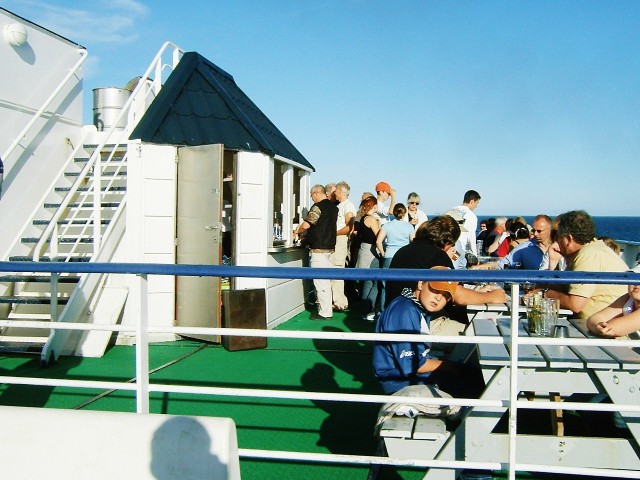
(15, 34)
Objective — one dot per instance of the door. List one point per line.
(199, 235)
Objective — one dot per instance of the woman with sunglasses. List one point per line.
(414, 215)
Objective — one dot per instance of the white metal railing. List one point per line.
(45, 105)
(97, 168)
(85, 288)
(143, 387)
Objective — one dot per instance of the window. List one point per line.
(288, 182)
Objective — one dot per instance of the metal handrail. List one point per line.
(144, 388)
(95, 164)
(509, 276)
(83, 56)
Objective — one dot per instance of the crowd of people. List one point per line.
(384, 233)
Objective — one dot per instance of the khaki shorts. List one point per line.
(446, 326)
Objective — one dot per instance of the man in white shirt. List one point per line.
(344, 225)
(459, 260)
(469, 204)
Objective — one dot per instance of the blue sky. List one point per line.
(535, 104)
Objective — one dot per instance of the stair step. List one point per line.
(122, 173)
(12, 344)
(87, 189)
(104, 221)
(116, 158)
(86, 206)
(36, 317)
(32, 300)
(37, 278)
(109, 146)
(26, 258)
(29, 240)
(25, 339)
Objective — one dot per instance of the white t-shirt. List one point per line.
(343, 208)
(468, 238)
(383, 213)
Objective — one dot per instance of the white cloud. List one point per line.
(110, 21)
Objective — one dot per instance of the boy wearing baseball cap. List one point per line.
(400, 364)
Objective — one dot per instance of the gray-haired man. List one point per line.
(321, 238)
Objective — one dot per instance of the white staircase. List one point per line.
(81, 219)
(69, 227)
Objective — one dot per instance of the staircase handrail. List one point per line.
(83, 56)
(85, 289)
(155, 65)
(47, 191)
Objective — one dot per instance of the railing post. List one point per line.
(157, 80)
(513, 380)
(54, 244)
(97, 204)
(54, 296)
(142, 350)
(176, 56)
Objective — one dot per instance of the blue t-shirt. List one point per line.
(395, 364)
(528, 254)
(398, 234)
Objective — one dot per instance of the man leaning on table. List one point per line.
(584, 253)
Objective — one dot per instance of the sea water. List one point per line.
(619, 228)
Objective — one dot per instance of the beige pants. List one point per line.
(446, 326)
(339, 260)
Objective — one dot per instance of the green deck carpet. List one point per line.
(262, 423)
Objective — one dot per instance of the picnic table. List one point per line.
(544, 372)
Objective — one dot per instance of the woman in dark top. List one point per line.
(519, 234)
(368, 256)
(483, 235)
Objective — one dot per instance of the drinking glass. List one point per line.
(528, 300)
(542, 315)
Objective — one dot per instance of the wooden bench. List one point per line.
(418, 437)
(69, 444)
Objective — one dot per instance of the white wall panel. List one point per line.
(160, 242)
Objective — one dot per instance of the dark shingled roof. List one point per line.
(200, 104)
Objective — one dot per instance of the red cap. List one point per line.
(443, 286)
(383, 187)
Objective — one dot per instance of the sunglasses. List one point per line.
(535, 230)
(414, 203)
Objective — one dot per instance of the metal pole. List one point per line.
(142, 350)
(513, 384)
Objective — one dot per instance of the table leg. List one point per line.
(557, 416)
(475, 427)
(623, 387)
